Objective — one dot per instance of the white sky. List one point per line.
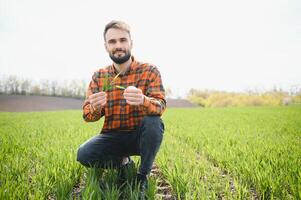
(225, 45)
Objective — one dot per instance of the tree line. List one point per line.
(274, 97)
(206, 98)
(15, 85)
(22, 86)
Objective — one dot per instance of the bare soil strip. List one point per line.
(26, 103)
(78, 187)
(22, 103)
(224, 174)
(164, 190)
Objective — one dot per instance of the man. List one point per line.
(131, 97)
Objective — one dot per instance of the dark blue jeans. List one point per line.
(109, 148)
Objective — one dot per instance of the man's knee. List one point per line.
(83, 156)
(88, 157)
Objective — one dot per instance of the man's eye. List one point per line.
(123, 40)
(111, 41)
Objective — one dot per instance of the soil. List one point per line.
(25, 103)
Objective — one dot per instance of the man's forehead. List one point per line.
(114, 33)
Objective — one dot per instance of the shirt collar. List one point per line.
(130, 68)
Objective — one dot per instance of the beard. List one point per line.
(120, 60)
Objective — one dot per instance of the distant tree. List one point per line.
(64, 89)
(35, 90)
(54, 88)
(77, 88)
(59, 89)
(297, 95)
(74, 88)
(168, 92)
(13, 84)
(1, 87)
(25, 85)
(199, 93)
(83, 88)
(45, 87)
(5, 86)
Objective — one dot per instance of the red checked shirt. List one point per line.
(118, 114)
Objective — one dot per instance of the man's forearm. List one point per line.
(91, 114)
(153, 106)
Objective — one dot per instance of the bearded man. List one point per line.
(130, 96)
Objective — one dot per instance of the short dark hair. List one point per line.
(118, 25)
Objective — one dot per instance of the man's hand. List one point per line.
(98, 100)
(133, 96)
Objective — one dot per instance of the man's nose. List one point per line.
(118, 45)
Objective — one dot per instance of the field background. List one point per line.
(207, 153)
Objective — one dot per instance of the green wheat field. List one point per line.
(207, 153)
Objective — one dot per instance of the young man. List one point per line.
(131, 97)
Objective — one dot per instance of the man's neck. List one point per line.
(124, 66)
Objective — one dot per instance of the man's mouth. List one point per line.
(119, 53)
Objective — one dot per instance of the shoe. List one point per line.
(143, 185)
(123, 173)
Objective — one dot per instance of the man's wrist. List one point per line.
(146, 101)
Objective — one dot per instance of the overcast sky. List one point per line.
(224, 45)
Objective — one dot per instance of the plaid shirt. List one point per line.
(118, 114)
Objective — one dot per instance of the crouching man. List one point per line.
(131, 97)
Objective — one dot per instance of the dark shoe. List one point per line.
(143, 185)
(123, 173)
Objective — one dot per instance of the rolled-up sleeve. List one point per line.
(154, 99)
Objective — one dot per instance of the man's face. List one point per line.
(118, 44)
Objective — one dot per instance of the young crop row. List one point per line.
(257, 149)
(37, 154)
(38, 159)
(192, 176)
(229, 153)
